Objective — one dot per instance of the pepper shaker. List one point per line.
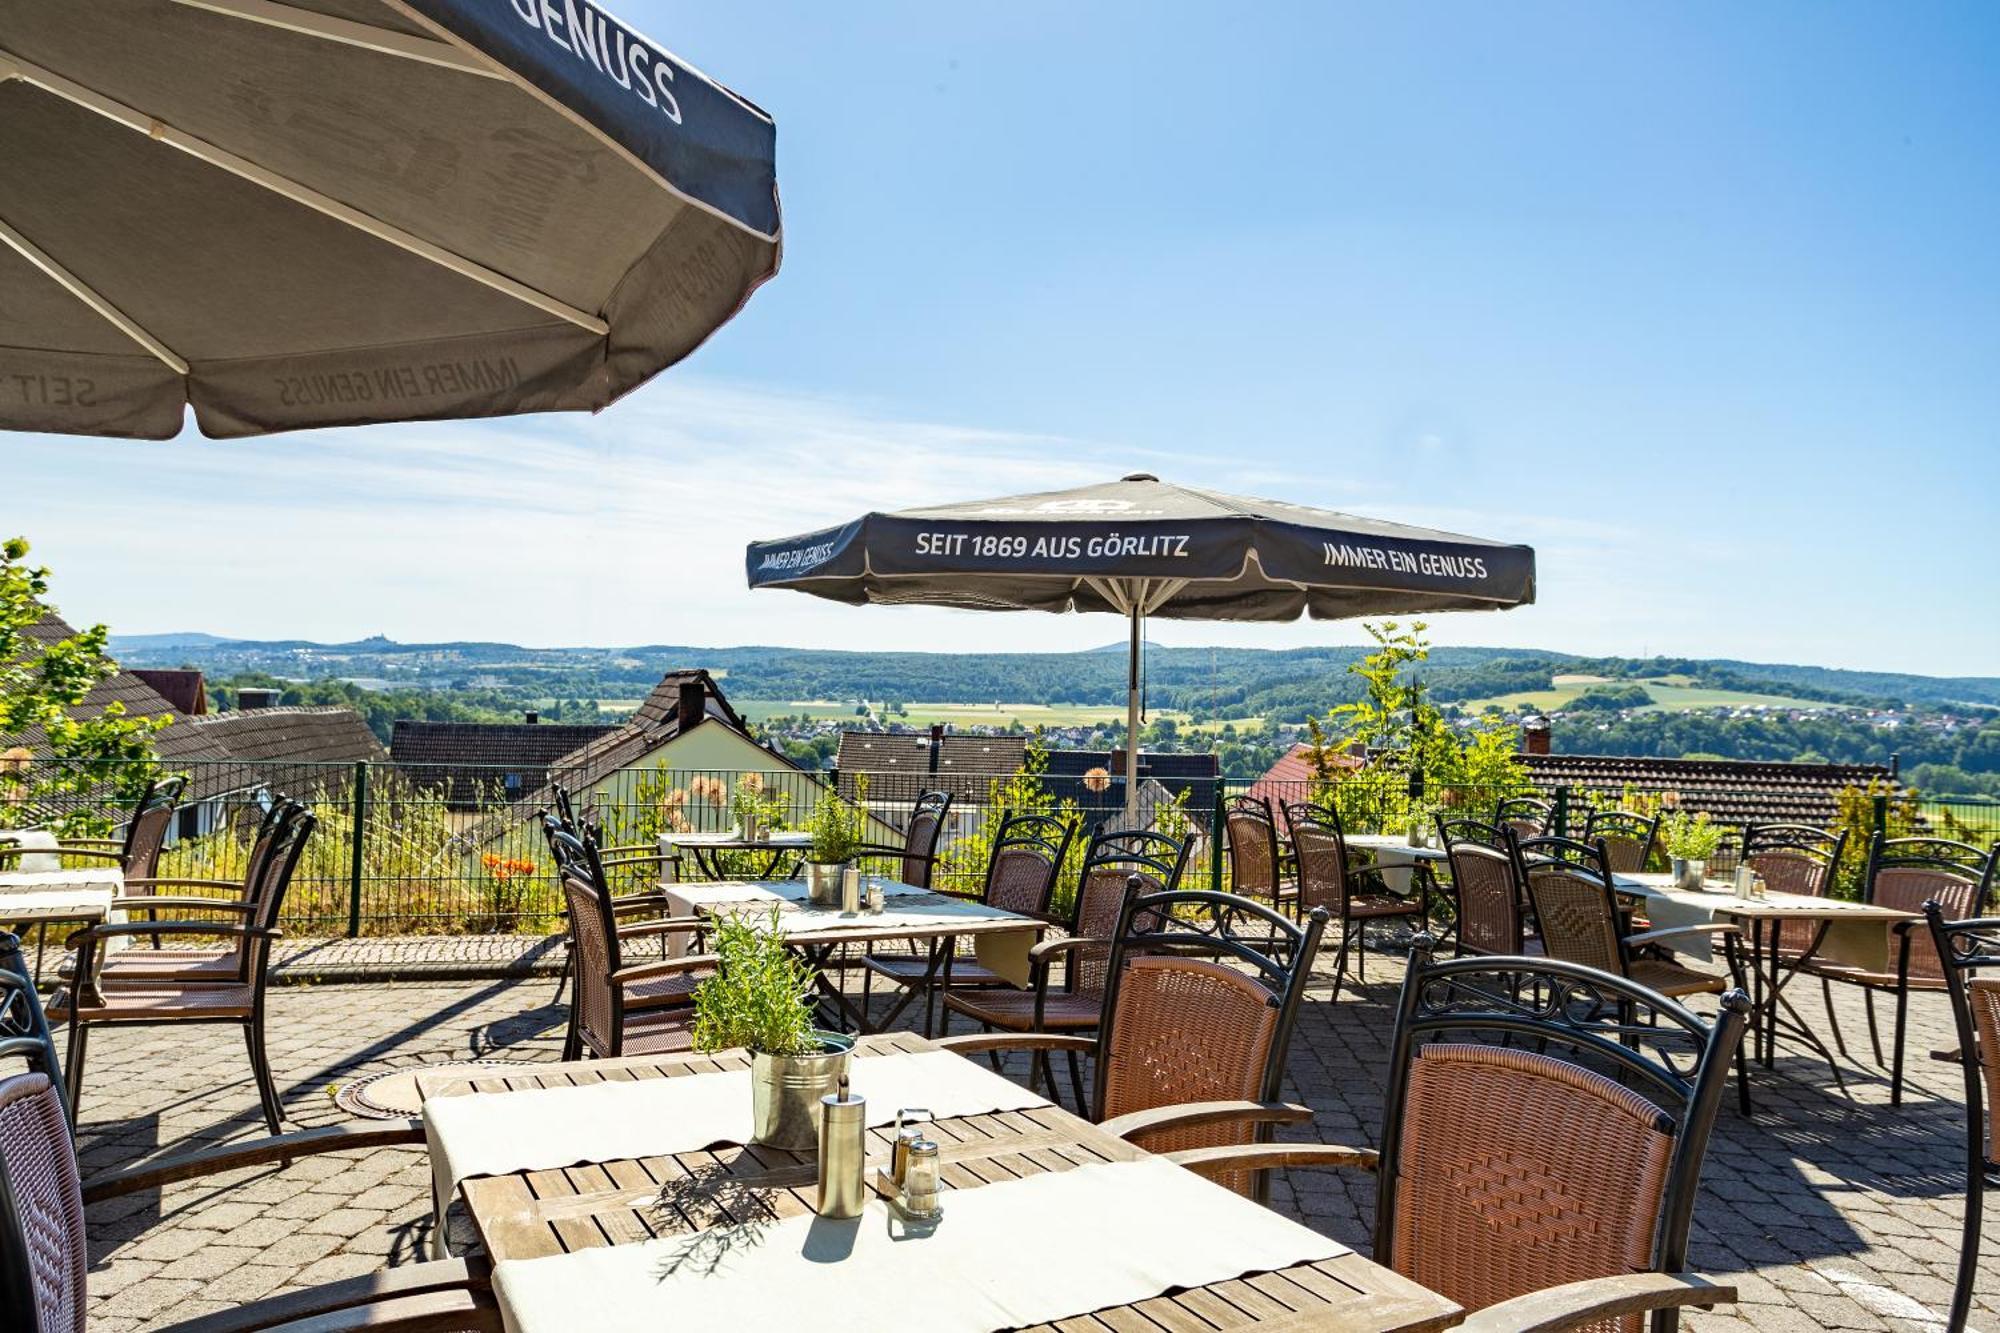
(843, 1153)
(909, 1129)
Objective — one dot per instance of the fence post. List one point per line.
(1559, 817)
(1215, 832)
(1881, 803)
(355, 861)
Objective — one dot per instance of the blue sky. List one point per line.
(1700, 300)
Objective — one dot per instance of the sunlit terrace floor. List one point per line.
(1828, 1212)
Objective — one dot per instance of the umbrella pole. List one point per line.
(1132, 718)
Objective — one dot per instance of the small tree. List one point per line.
(89, 761)
(1405, 734)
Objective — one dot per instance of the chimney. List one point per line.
(693, 705)
(250, 698)
(531, 717)
(937, 744)
(1534, 734)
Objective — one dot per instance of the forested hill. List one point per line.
(1280, 685)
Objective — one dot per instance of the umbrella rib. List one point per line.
(383, 41)
(90, 296)
(111, 109)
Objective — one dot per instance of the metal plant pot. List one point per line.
(1688, 874)
(785, 1092)
(823, 882)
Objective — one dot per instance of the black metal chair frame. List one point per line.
(932, 801)
(1524, 808)
(609, 859)
(1916, 853)
(1967, 947)
(1642, 829)
(1479, 838)
(257, 932)
(1243, 804)
(1354, 929)
(1048, 835)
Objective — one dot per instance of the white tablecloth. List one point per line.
(1005, 1255)
(497, 1133)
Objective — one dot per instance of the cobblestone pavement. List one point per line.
(1828, 1211)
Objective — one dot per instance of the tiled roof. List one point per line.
(139, 698)
(1732, 791)
(289, 750)
(183, 687)
(899, 764)
(467, 758)
(1190, 775)
(1290, 779)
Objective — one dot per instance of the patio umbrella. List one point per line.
(327, 212)
(1143, 547)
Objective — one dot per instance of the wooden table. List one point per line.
(44, 897)
(1001, 939)
(533, 1213)
(1854, 934)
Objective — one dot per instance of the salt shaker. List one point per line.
(920, 1182)
(876, 898)
(850, 890)
(843, 1153)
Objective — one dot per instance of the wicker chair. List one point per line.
(1906, 873)
(1110, 865)
(1794, 858)
(628, 857)
(43, 1255)
(1256, 868)
(621, 1008)
(1539, 1160)
(231, 994)
(917, 858)
(137, 854)
(1021, 873)
(1528, 816)
(1353, 896)
(1628, 839)
(1488, 887)
(1193, 1054)
(251, 902)
(1966, 948)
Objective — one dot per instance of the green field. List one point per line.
(957, 714)
(1670, 694)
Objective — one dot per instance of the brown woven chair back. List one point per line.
(1983, 995)
(1253, 847)
(43, 1254)
(1520, 1171)
(920, 839)
(1575, 909)
(1628, 838)
(1489, 891)
(1906, 873)
(1110, 864)
(152, 819)
(1028, 854)
(1188, 1030)
(595, 949)
(1792, 858)
(1544, 1123)
(1321, 852)
(1526, 815)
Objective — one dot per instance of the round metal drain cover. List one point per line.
(391, 1094)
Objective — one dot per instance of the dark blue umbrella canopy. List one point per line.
(290, 213)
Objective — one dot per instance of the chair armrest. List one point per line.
(616, 862)
(155, 881)
(975, 1043)
(88, 853)
(1213, 1162)
(147, 902)
(679, 925)
(1645, 937)
(1047, 949)
(650, 901)
(257, 1152)
(650, 850)
(103, 930)
(1576, 1304)
(115, 844)
(666, 967)
(444, 1293)
(1189, 1115)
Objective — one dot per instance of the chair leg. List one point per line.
(79, 1038)
(1360, 953)
(1874, 1033)
(1340, 957)
(1833, 1019)
(1896, 1067)
(1047, 1070)
(260, 1067)
(1076, 1081)
(562, 977)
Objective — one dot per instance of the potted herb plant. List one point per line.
(760, 999)
(838, 830)
(750, 807)
(1690, 840)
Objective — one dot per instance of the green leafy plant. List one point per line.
(1690, 837)
(760, 995)
(839, 828)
